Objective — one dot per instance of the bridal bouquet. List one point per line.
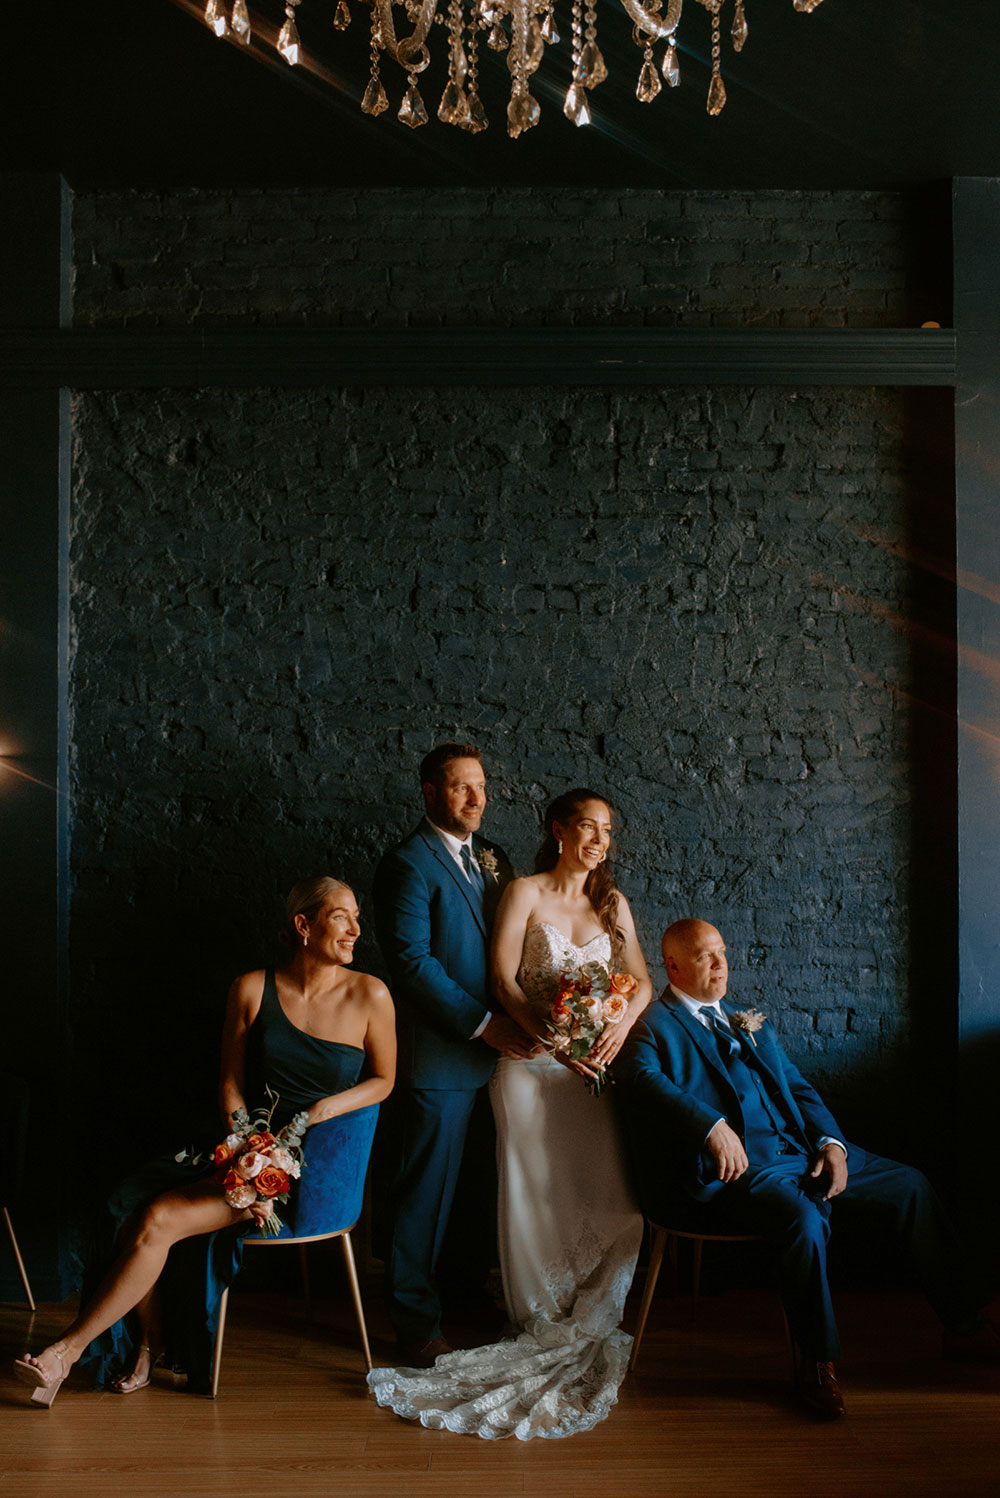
(253, 1165)
(589, 999)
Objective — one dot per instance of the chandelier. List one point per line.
(520, 28)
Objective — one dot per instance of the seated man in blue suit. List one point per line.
(716, 1111)
(435, 898)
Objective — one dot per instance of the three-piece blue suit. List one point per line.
(676, 1081)
(433, 928)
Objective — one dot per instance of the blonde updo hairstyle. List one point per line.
(307, 898)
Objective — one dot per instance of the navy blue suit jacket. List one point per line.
(435, 938)
(673, 1088)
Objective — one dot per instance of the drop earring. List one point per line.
(559, 846)
(305, 942)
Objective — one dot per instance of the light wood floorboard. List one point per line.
(707, 1415)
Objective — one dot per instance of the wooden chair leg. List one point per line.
(220, 1332)
(20, 1262)
(304, 1269)
(697, 1244)
(359, 1310)
(652, 1275)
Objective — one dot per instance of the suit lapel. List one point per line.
(702, 1038)
(444, 858)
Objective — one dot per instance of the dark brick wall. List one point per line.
(730, 608)
(394, 258)
(695, 599)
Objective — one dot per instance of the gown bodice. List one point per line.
(547, 954)
(300, 1068)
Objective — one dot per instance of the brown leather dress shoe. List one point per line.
(817, 1389)
(422, 1354)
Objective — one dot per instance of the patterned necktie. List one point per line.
(472, 873)
(728, 1043)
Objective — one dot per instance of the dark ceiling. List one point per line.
(861, 93)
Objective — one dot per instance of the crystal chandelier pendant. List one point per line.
(375, 100)
(649, 84)
(240, 22)
(534, 47)
(497, 38)
(288, 43)
(459, 64)
(576, 107)
(215, 17)
(342, 16)
(740, 30)
(716, 95)
(549, 33)
(475, 118)
(412, 111)
(593, 69)
(671, 67)
(806, 5)
(522, 114)
(487, 12)
(454, 105)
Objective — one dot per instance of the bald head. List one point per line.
(695, 958)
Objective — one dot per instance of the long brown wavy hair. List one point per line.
(599, 886)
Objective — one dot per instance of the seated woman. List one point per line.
(307, 1032)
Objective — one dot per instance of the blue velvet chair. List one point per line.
(326, 1204)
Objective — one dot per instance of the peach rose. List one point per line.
(282, 1160)
(261, 1141)
(623, 983)
(271, 1181)
(615, 1006)
(241, 1195)
(250, 1164)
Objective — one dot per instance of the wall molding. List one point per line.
(264, 356)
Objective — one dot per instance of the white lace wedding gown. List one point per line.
(569, 1234)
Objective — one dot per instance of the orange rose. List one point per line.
(623, 983)
(260, 1142)
(222, 1154)
(271, 1181)
(229, 1180)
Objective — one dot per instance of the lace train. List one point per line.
(569, 1237)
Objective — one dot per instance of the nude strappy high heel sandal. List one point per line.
(118, 1385)
(44, 1390)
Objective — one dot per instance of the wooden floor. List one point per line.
(706, 1415)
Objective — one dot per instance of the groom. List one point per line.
(718, 1113)
(436, 895)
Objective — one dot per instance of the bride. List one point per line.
(569, 1229)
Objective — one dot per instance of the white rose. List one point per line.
(233, 1142)
(250, 1164)
(241, 1196)
(282, 1159)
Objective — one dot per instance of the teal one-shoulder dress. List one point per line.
(301, 1069)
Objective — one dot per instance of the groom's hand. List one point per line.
(726, 1149)
(507, 1037)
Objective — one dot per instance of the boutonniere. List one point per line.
(747, 1021)
(487, 860)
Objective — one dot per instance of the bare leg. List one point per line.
(171, 1217)
(147, 1314)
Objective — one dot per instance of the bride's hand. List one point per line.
(609, 1045)
(585, 1068)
